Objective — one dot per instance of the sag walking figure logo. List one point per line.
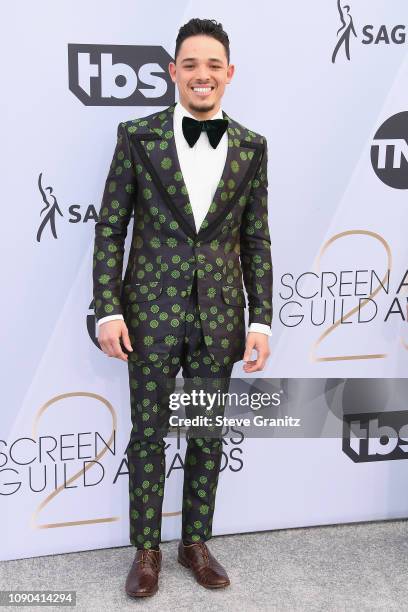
(73, 213)
(51, 206)
(344, 33)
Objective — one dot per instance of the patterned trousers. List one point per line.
(150, 387)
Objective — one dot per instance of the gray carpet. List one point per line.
(360, 566)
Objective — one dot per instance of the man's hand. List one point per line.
(259, 342)
(109, 335)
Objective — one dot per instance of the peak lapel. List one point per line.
(240, 166)
(157, 149)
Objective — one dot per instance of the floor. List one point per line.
(360, 566)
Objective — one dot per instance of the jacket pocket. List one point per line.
(233, 296)
(143, 292)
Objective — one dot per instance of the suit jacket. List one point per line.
(232, 245)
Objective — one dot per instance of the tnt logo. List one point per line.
(120, 75)
(376, 436)
(389, 151)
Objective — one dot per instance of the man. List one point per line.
(197, 182)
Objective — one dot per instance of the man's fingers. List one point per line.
(126, 339)
(259, 363)
(117, 349)
(114, 339)
(255, 366)
(112, 348)
(248, 350)
(104, 346)
(262, 352)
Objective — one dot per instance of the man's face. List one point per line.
(201, 73)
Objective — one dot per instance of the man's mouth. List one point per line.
(203, 91)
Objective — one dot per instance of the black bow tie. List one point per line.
(215, 129)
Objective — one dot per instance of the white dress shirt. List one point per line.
(201, 186)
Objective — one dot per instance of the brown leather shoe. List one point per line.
(143, 576)
(205, 567)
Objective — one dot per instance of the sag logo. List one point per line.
(115, 75)
(50, 208)
(389, 151)
(51, 211)
(345, 31)
(370, 34)
(76, 213)
(376, 436)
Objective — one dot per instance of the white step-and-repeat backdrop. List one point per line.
(326, 83)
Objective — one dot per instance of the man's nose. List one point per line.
(202, 75)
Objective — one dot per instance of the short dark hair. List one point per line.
(209, 27)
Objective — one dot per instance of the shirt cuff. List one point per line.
(261, 328)
(110, 318)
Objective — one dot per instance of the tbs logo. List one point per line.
(120, 75)
(379, 436)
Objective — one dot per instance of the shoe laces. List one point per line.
(204, 550)
(143, 557)
(147, 555)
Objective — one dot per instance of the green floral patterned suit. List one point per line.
(169, 257)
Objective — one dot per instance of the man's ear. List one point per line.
(172, 71)
(230, 72)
